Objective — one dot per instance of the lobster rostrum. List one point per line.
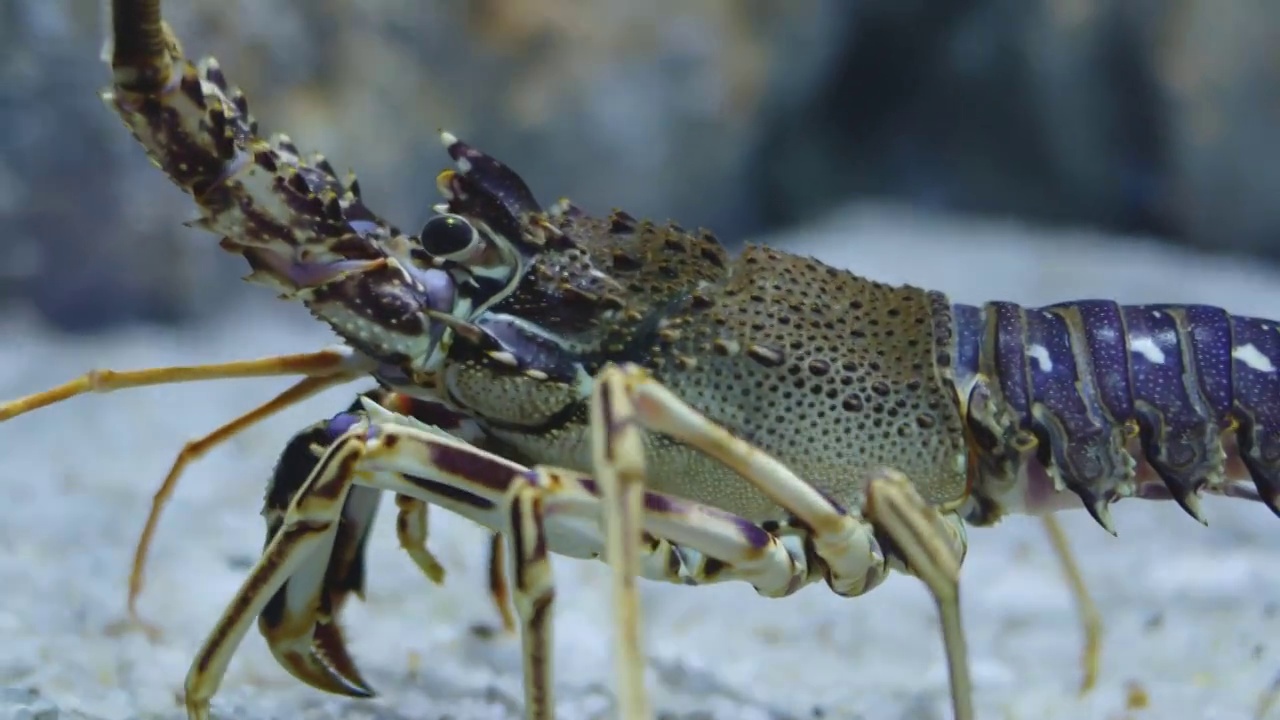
(610, 387)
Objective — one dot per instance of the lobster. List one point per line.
(608, 387)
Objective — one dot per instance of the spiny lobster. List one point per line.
(608, 386)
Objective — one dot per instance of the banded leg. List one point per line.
(685, 543)
(193, 451)
(305, 533)
(311, 647)
(329, 363)
(534, 593)
(626, 400)
(411, 523)
(499, 592)
(313, 651)
(411, 531)
(299, 620)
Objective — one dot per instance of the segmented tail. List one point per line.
(1112, 401)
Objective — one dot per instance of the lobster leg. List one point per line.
(929, 543)
(411, 531)
(411, 525)
(314, 650)
(193, 451)
(411, 519)
(337, 364)
(539, 511)
(1090, 618)
(499, 592)
(317, 653)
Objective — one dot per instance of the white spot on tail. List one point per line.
(1251, 356)
(1147, 348)
(1042, 358)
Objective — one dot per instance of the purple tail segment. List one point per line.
(1099, 396)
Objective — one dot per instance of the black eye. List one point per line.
(446, 235)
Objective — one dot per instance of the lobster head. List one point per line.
(492, 279)
(558, 293)
(506, 307)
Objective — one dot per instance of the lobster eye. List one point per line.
(445, 235)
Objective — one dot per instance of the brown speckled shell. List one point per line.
(833, 374)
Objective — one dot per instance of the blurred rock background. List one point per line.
(749, 116)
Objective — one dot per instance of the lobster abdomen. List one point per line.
(1111, 401)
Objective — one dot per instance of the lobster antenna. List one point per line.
(139, 53)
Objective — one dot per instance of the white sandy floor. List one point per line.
(1192, 613)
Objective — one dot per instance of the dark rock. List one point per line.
(1132, 117)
